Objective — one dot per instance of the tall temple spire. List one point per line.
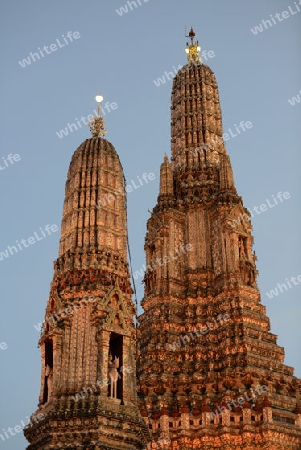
(88, 344)
(210, 372)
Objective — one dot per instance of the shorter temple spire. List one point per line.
(88, 358)
(193, 49)
(97, 125)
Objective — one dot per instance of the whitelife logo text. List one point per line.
(49, 48)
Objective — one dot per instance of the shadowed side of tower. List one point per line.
(210, 373)
(88, 344)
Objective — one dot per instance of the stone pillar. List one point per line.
(206, 417)
(267, 415)
(226, 417)
(129, 371)
(42, 374)
(57, 360)
(298, 420)
(297, 411)
(267, 411)
(103, 338)
(164, 419)
(246, 413)
(185, 418)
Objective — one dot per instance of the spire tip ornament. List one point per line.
(97, 125)
(193, 49)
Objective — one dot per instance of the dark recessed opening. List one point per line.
(116, 356)
(48, 370)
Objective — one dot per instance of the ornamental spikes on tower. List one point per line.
(210, 373)
(88, 392)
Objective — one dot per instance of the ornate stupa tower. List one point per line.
(211, 375)
(88, 397)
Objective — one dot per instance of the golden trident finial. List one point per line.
(97, 125)
(193, 49)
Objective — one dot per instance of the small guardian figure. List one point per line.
(242, 253)
(49, 376)
(113, 375)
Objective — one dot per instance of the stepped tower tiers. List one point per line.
(210, 373)
(88, 397)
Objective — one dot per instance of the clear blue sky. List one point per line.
(120, 57)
